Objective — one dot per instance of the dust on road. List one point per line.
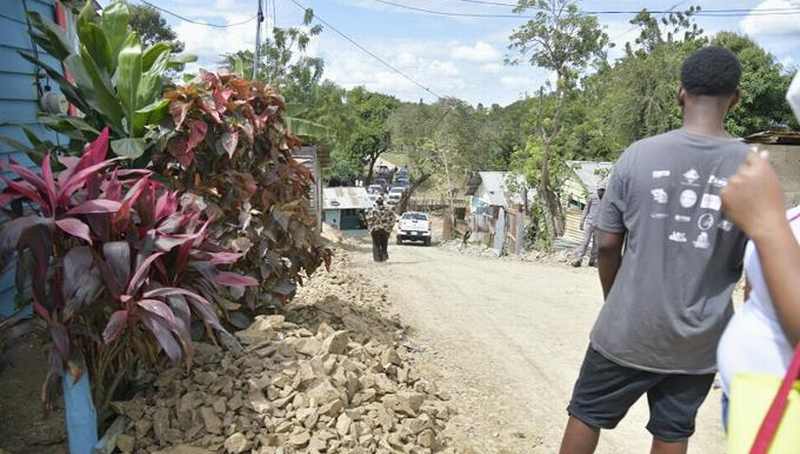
(507, 339)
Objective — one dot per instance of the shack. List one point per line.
(344, 208)
(784, 154)
(585, 177)
(315, 159)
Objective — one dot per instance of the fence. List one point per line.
(503, 231)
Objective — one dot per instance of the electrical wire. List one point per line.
(192, 21)
(368, 52)
(706, 13)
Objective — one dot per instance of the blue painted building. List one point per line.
(20, 92)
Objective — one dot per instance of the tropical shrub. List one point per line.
(228, 143)
(112, 79)
(115, 264)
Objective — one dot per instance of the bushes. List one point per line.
(115, 264)
(228, 143)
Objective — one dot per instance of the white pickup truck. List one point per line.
(414, 226)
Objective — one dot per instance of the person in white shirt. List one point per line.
(762, 336)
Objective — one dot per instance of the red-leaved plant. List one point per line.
(115, 264)
(228, 143)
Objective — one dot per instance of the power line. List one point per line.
(368, 52)
(706, 13)
(192, 21)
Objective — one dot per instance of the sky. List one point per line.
(451, 56)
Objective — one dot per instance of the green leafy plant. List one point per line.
(229, 144)
(112, 78)
(114, 264)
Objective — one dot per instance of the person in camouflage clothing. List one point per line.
(380, 221)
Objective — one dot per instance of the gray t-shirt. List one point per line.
(671, 298)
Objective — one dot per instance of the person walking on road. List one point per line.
(588, 225)
(668, 298)
(380, 222)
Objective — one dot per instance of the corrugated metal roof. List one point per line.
(775, 137)
(345, 198)
(591, 173)
(494, 184)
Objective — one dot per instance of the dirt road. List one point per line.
(507, 339)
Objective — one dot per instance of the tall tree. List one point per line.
(560, 39)
(152, 28)
(370, 136)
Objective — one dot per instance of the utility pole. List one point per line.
(257, 54)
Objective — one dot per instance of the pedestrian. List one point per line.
(465, 238)
(762, 335)
(668, 299)
(588, 226)
(380, 222)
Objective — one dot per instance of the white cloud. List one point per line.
(492, 68)
(480, 52)
(209, 44)
(771, 24)
(445, 68)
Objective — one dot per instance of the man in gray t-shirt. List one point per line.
(668, 298)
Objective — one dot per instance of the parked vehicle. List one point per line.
(414, 226)
(375, 189)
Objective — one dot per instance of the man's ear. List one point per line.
(735, 100)
(681, 96)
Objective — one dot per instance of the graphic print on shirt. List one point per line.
(678, 237)
(661, 174)
(705, 222)
(659, 216)
(711, 202)
(682, 218)
(688, 198)
(717, 182)
(726, 225)
(660, 196)
(690, 177)
(702, 241)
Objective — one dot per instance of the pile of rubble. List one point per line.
(345, 299)
(290, 390)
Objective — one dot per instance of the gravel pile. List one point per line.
(291, 390)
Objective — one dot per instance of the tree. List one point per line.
(763, 87)
(369, 136)
(152, 28)
(561, 39)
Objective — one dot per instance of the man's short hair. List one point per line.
(711, 71)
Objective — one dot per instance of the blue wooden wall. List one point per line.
(19, 101)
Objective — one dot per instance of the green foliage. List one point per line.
(118, 82)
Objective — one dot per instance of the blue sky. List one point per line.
(453, 56)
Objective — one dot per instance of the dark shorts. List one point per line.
(605, 391)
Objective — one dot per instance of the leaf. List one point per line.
(129, 75)
(12, 232)
(115, 327)
(166, 205)
(73, 127)
(128, 148)
(96, 206)
(234, 280)
(224, 258)
(114, 22)
(141, 273)
(178, 110)
(109, 105)
(26, 190)
(81, 280)
(38, 238)
(94, 39)
(151, 114)
(229, 141)
(158, 308)
(76, 228)
(78, 179)
(153, 53)
(197, 134)
(118, 256)
(50, 36)
(163, 335)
